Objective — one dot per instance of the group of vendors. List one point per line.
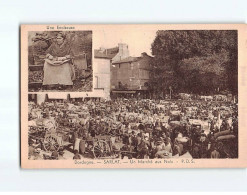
(147, 128)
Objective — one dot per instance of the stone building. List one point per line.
(131, 74)
(103, 59)
(116, 72)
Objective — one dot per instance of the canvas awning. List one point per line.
(96, 94)
(123, 91)
(57, 96)
(77, 95)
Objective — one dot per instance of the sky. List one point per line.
(138, 40)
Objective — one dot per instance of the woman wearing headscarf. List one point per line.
(58, 68)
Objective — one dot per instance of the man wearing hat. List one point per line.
(77, 155)
(74, 137)
(203, 146)
(214, 152)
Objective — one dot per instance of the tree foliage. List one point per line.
(195, 61)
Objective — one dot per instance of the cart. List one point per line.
(45, 133)
(101, 147)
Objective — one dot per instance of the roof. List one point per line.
(127, 60)
(106, 53)
(131, 59)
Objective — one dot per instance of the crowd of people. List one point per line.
(144, 128)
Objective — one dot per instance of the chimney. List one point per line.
(123, 50)
(102, 49)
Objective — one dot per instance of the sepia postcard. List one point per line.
(133, 96)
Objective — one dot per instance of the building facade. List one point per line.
(103, 59)
(115, 71)
(131, 74)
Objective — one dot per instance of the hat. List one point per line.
(160, 139)
(61, 34)
(158, 142)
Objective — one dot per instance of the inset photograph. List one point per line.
(60, 61)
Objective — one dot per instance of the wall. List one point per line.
(144, 69)
(102, 74)
(133, 74)
(120, 73)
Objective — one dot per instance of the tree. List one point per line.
(188, 59)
